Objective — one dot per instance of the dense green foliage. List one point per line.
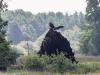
(90, 40)
(55, 64)
(59, 64)
(7, 56)
(23, 25)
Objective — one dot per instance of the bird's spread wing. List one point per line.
(59, 27)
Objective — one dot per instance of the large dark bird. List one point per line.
(55, 28)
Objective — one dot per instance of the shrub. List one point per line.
(59, 64)
(34, 63)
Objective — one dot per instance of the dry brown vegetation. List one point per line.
(85, 58)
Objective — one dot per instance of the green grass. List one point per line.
(82, 68)
(30, 73)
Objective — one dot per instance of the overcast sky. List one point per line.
(36, 6)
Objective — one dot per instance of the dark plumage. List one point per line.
(55, 43)
(55, 28)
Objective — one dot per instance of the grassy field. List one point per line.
(88, 65)
(43, 73)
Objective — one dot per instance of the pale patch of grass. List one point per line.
(42, 73)
(29, 73)
(85, 58)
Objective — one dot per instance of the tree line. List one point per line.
(23, 25)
